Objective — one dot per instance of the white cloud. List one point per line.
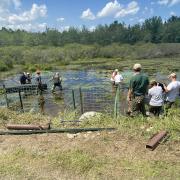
(61, 19)
(87, 14)
(168, 2)
(27, 16)
(5, 4)
(92, 28)
(29, 26)
(173, 2)
(25, 20)
(114, 9)
(64, 28)
(141, 20)
(110, 8)
(163, 2)
(131, 9)
(172, 13)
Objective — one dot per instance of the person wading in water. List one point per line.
(57, 82)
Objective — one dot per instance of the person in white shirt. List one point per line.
(156, 101)
(172, 90)
(113, 76)
(118, 79)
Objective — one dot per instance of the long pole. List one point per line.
(20, 98)
(73, 97)
(26, 132)
(81, 101)
(116, 102)
(5, 95)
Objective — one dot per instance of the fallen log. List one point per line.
(156, 139)
(27, 127)
(28, 132)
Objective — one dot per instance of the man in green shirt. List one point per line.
(137, 89)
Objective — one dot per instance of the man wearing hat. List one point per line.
(172, 90)
(137, 89)
(38, 80)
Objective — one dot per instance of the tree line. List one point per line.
(153, 30)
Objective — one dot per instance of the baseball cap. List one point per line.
(172, 75)
(137, 66)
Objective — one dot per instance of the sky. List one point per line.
(36, 15)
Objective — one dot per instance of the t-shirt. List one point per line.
(23, 79)
(118, 78)
(113, 76)
(38, 79)
(173, 89)
(56, 79)
(156, 93)
(139, 84)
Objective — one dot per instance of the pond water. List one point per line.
(96, 86)
(73, 79)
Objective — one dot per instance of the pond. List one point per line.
(96, 87)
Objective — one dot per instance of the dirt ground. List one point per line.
(101, 155)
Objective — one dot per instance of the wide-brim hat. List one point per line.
(38, 71)
(137, 66)
(173, 75)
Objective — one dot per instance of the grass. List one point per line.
(119, 154)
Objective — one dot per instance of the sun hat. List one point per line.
(137, 66)
(153, 82)
(173, 75)
(116, 70)
(38, 71)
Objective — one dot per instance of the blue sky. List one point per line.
(36, 15)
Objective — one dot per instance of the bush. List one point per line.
(3, 66)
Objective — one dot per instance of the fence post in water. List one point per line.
(20, 98)
(5, 95)
(81, 101)
(73, 97)
(116, 102)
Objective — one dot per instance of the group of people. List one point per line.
(26, 78)
(159, 94)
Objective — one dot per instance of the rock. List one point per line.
(89, 115)
(149, 129)
(71, 136)
(86, 135)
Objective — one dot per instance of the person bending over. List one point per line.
(172, 90)
(57, 81)
(156, 101)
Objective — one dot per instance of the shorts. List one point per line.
(156, 110)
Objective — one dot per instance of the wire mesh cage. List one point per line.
(26, 98)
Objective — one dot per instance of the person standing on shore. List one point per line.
(156, 98)
(137, 89)
(172, 90)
